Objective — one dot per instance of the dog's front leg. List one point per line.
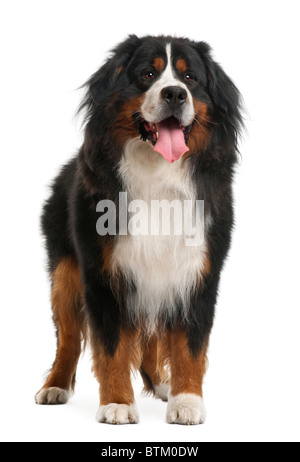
(187, 369)
(113, 371)
(116, 351)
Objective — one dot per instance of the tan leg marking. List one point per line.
(66, 306)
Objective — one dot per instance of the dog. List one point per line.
(162, 123)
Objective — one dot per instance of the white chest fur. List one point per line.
(163, 268)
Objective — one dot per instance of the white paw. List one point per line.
(53, 395)
(118, 414)
(161, 391)
(186, 409)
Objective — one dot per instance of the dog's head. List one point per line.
(169, 92)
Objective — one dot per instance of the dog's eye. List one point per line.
(188, 77)
(149, 76)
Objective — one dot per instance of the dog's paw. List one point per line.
(118, 414)
(161, 391)
(186, 409)
(53, 395)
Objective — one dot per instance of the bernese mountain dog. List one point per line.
(162, 122)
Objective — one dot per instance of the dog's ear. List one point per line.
(224, 94)
(112, 76)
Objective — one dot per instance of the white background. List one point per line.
(48, 49)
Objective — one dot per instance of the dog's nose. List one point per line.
(174, 96)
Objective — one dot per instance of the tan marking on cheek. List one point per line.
(124, 127)
(201, 131)
(181, 66)
(159, 64)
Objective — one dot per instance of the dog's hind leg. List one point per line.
(153, 374)
(70, 324)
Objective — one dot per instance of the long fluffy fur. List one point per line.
(127, 281)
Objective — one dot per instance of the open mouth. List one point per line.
(168, 137)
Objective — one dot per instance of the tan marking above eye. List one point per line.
(181, 66)
(159, 64)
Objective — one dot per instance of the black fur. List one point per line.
(69, 218)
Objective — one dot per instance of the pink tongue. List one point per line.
(170, 143)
